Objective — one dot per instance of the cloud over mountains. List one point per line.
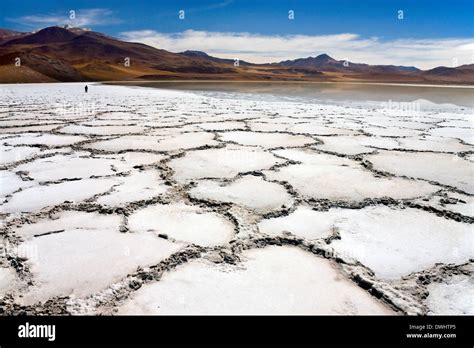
(258, 48)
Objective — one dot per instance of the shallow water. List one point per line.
(325, 92)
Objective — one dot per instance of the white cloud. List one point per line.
(257, 48)
(83, 17)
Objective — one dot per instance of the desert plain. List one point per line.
(134, 200)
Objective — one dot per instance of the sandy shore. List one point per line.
(130, 200)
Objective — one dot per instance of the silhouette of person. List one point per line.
(86, 88)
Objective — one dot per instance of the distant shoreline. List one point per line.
(322, 91)
(459, 95)
(263, 82)
(398, 84)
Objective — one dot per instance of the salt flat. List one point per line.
(10, 154)
(273, 280)
(139, 185)
(153, 201)
(248, 191)
(184, 223)
(444, 168)
(322, 176)
(453, 296)
(70, 247)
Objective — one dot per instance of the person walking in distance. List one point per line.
(86, 88)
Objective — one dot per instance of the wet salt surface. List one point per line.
(142, 194)
(325, 92)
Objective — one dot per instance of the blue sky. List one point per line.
(259, 30)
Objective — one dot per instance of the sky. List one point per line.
(402, 32)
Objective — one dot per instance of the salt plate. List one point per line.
(268, 140)
(217, 126)
(44, 139)
(316, 129)
(397, 242)
(221, 163)
(7, 280)
(446, 169)
(10, 154)
(126, 161)
(9, 183)
(80, 253)
(60, 167)
(47, 196)
(249, 191)
(465, 134)
(101, 130)
(126, 143)
(392, 242)
(273, 280)
(353, 145)
(323, 176)
(303, 222)
(138, 186)
(184, 223)
(452, 297)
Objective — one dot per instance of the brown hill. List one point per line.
(204, 56)
(384, 73)
(7, 34)
(323, 62)
(75, 54)
(43, 37)
(442, 73)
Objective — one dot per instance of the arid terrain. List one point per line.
(130, 200)
(68, 54)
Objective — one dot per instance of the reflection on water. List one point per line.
(327, 92)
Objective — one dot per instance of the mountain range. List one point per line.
(76, 54)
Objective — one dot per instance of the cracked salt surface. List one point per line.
(303, 222)
(465, 134)
(125, 161)
(273, 280)
(66, 167)
(156, 143)
(136, 187)
(221, 163)
(249, 191)
(319, 130)
(104, 130)
(353, 145)
(10, 182)
(44, 139)
(391, 242)
(322, 176)
(44, 128)
(126, 199)
(47, 196)
(217, 126)
(394, 242)
(184, 223)
(445, 169)
(9, 154)
(7, 280)
(455, 296)
(268, 140)
(86, 254)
